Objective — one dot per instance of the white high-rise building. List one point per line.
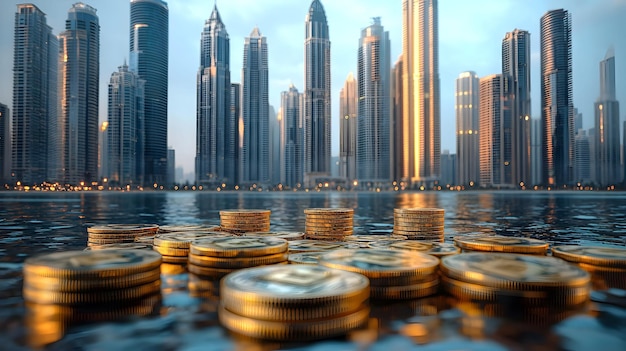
(467, 129)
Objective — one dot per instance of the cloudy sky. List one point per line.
(470, 38)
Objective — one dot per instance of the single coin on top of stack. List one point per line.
(607, 265)
(174, 247)
(214, 258)
(436, 249)
(364, 239)
(498, 243)
(289, 236)
(118, 233)
(331, 224)
(185, 228)
(75, 287)
(293, 302)
(243, 221)
(123, 246)
(514, 283)
(393, 274)
(419, 223)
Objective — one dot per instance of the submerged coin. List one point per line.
(431, 248)
(594, 255)
(282, 235)
(496, 243)
(513, 271)
(92, 264)
(318, 245)
(123, 228)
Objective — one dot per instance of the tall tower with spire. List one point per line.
(149, 58)
(254, 153)
(216, 126)
(317, 115)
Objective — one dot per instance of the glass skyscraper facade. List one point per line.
(35, 59)
(467, 129)
(291, 138)
(557, 109)
(149, 58)
(348, 111)
(373, 154)
(421, 126)
(79, 74)
(255, 152)
(317, 92)
(217, 118)
(607, 127)
(5, 143)
(125, 137)
(516, 66)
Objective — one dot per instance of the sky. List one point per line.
(470, 39)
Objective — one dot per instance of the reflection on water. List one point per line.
(32, 223)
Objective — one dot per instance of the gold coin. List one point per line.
(123, 228)
(91, 264)
(513, 271)
(169, 251)
(429, 248)
(546, 296)
(93, 285)
(593, 255)
(293, 292)
(212, 273)
(328, 211)
(87, 298)
(327, 237)
(282, 235)
(124, 236)
(496, 243)
(405, 292)
(183, 240)
(374, 238)
(304, 257)
(129, 246)
(174, 259)
(183, 228)
(250, 246)
(173, 268)
(296, 331)
(382, 265)
(92, 242)
(145, 239)
(318, 245)
(237, 262)
(417, 210)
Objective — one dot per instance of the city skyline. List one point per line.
(589, 47)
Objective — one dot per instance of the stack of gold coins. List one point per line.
(436, 249)
(293, 302)
(332, 224)
(214, 258)
(365, 240)
(118, 233)
(511, 284)
(297, 246)
(497, 243)
(419, 223)
(289, 236)
(243, 221)
(174, 247)
(607, 265)
(393, 274)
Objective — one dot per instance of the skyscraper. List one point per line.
(317, 90)
(583, 159)
(557, 113)
(149, 58)
(254, 154)
(233, 139)
(79, 74)
(467, 129)
(274, 146)
(420, 87)
(516, 66)
(374, 113)
(34, 95)
(495, 132)
(5, 144)
(607, 138)
(348, 111)
(125, 128)
(217, 119)
(291, 138)
(397, 115)
(103, 151)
